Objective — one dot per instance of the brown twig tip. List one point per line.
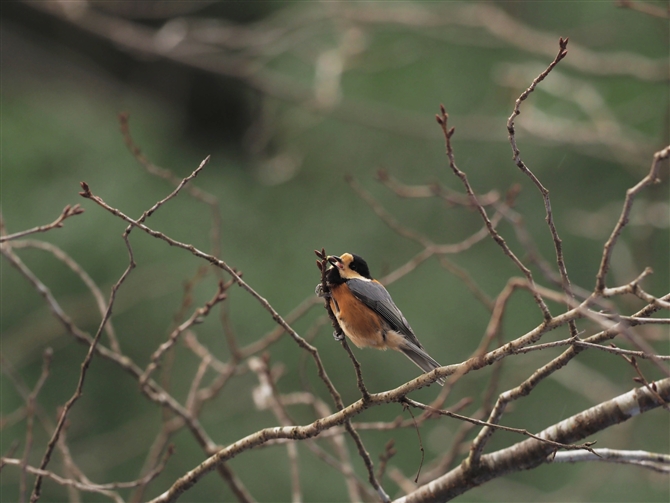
(221, 295)
(86, 192)
(563, 44)
(442, 117)
(70, 211)
(322, 264)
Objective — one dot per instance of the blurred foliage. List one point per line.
(277, 170)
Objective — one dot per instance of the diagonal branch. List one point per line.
(532, 452)
(80, 386)
(523, 455)
(651, 178)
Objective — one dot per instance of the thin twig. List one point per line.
(433, 190)
(542, 373)
(651, 178)
(68, 211)
(80, 386)
(165, 174)
(234, 275)
(384, 457)
(521, 431)
(448, 133)
(558, 246)
(406, 402)
(30, 415)
(641, 379)
(83, 275)
(197, 317)
(96, 488)
(583, 344)
(357, 368)
(152, 390)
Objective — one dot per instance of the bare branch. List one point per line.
(197, 317)
(565, 281)
(30, 414)
(83, 275)
(96, 488)
(527, 454)
(80, 386)
(531, 453)
(448, 133)
(651, 178)
(235, 276)
(586, 446)
(644, 459)
(68, 211)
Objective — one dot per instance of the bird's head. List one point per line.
(350, 266)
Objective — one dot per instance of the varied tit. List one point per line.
(367, 314)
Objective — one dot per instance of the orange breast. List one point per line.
(359, 322)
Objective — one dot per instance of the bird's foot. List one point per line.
(320, 293)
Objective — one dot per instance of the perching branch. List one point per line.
(533, 452)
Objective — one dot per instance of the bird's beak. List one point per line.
(336, 261)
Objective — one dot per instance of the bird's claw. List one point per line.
(338, 336)
(320, 293)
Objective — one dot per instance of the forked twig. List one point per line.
(651, 178)
(565, 280)
(448, 133)
(79, 389)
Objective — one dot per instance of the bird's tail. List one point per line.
(422, 359)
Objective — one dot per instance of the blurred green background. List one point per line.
(288, 98)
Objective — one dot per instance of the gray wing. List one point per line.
(377, 298)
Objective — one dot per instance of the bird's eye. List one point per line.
(352, 267)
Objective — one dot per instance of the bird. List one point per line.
(366, 312)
